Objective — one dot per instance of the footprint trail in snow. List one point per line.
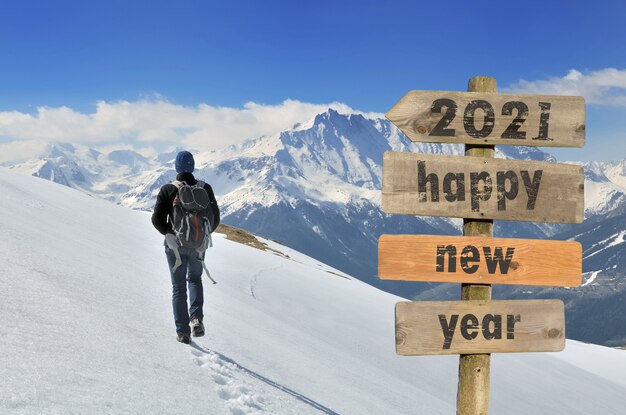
(247, 392)
(230, 385)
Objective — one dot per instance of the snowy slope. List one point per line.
(86, 327)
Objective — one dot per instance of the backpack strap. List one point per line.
(179, 184)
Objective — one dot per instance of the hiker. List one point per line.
(186, 212)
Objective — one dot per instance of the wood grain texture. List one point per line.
(474, 369)
(434, 258)
(566, 125)
(559, 195)
(497, 327)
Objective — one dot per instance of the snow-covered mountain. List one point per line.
(86, 327)
(80, 167)
(598, 307)
(605, 187)
(315, 188)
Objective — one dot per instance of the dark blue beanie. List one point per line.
(184, 162)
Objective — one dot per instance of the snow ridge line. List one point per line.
(240, 398)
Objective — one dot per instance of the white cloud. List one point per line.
(604, 87)
(19, 151)
(159, 122)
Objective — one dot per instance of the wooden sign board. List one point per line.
(490, 119)
(482, 188)
(479, 260)
(469, 327)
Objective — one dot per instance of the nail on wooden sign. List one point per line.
(482, 188)
(470, 327)
(490, 118)
(479, 260)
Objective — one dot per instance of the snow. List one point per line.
(591, 278)
(611, 241)
(609, 365)
(619, 239)
(602, 197)
(86, 327)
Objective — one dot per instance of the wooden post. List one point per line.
(474, 369)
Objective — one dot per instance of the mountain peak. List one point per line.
(332, 116)
(68, 150)
(63, 146)
(126, 157)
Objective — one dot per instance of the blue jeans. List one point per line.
(189, 273)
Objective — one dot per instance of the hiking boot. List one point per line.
(183, 338)
(197, 328)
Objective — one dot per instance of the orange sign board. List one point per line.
(479, 260)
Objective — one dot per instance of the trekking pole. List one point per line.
(202, 253)
(208, 274)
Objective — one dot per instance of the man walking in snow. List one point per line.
(186, 212)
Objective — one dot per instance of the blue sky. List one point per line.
(73, 58)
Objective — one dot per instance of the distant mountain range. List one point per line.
(317, 188)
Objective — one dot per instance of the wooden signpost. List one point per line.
(489, 118)
(479, 188)
(465, 327)
(479, 260)
(482, 188)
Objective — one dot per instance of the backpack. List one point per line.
(192, 216)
